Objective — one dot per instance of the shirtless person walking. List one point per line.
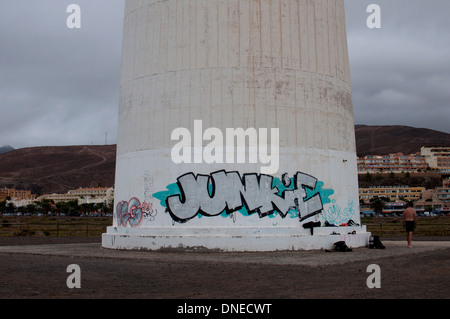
(409, 222)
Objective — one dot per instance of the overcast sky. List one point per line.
(60, 86)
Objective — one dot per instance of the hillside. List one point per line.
(59, 169)
(384, 140)
(55, 169)
(6, 149)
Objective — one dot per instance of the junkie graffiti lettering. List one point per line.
(222, 193)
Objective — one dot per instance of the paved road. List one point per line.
(39, 271)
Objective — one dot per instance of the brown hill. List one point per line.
(383, 140)
(57, 169)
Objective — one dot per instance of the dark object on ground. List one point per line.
(341, 246)
(375, 242)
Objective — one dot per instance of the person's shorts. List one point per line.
(409, 225)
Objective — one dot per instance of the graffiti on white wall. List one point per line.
(133, 212)
(337, 215)
(223, 193)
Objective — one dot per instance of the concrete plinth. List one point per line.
(234, 239)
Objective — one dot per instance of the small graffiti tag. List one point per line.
(132, 213)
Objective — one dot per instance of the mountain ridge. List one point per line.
(6, 148)
(387, 139)
(57, 169)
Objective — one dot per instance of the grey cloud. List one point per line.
(61, 86)
(400, 72)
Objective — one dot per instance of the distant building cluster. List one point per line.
(14, 194)
(395, 199)
(392, 163)
(22, 198)
(391, 193)
(83, 196)
(429, 157)
(437, 157)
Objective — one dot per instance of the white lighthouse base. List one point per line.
(234, 239)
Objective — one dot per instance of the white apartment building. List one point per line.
(396, 163)
(437, 157)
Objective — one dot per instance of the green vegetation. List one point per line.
(49, 207)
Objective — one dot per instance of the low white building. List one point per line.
(84, 196)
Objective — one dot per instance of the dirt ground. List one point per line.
(40, 272)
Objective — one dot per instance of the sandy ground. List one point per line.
(37, 268)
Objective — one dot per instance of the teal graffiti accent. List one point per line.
(276, 182)
(325, 193)
(337, 215)
(171, 189)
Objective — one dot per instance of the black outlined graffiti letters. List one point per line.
(211, 195)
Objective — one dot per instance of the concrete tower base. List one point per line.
(234, 239)
(207, 88)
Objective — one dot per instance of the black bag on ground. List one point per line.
(375, 242)
(341, 246)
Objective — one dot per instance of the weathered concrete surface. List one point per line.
(251, 65)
